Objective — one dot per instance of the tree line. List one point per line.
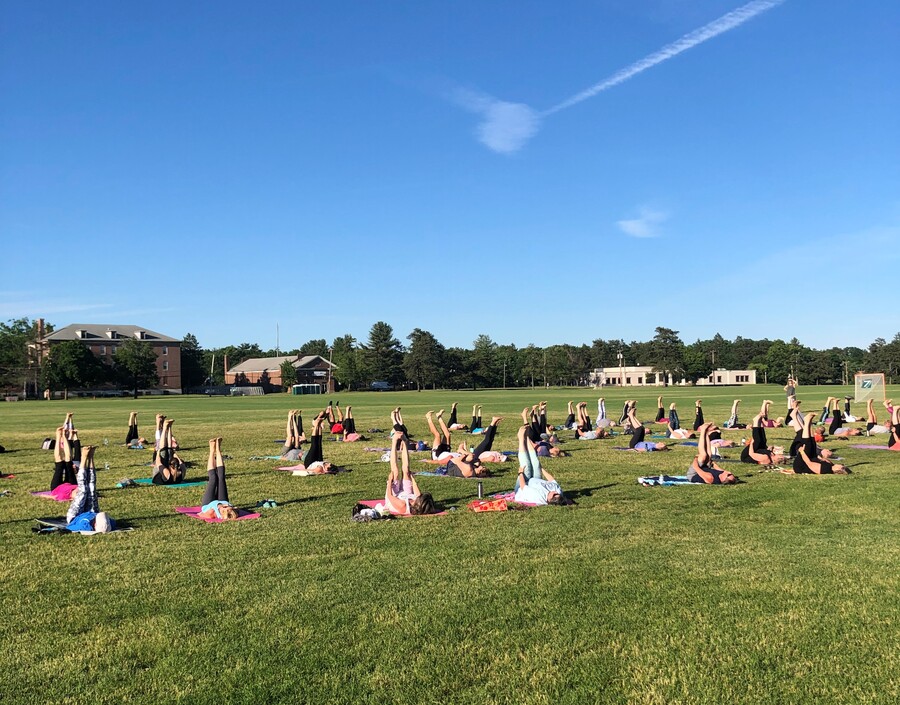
(423, 362)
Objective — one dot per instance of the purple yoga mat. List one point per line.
(868, 446)
(372, 503)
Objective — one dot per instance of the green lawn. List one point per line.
(782, 589)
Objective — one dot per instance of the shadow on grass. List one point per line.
(588, 491)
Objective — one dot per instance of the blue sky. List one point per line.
(221, 168)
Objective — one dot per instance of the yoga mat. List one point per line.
(7, 477)
(265, 457)
(666, 481)
(61, 524)
(868, 446)
(689, 443)
(194, 513)
(63, 493)
(372, 503)
(189, 483)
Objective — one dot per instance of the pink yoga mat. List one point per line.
(868, 446)
(194, 513)
(62, 493)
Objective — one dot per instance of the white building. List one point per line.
(628, 376)
(644, 376)
(721, 376)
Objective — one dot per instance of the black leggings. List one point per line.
(349, 425)
(476, 422)
(486, 442)
(760, 442)
(836, 422)
(570, 421)
(216, 488)
(132, 434)
(660, 413)
(452, 419)
(698, 419)
(314, 454)
(637, 436)
(795, 445)
(800, 466)
(62, 472)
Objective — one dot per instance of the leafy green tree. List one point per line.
(288, 375)
(424, 359)
(383, 354)
(697, 363)
(315, 347)
(18, 362)
(667, 352)
(71, 365)
(136, 363)
(484, 369)
(533, 365)
(193, 370)
(347, 363)
(456, 368)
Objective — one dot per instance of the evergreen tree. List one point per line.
(423, 362)
(383, 354)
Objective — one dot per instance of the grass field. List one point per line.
(782, 589)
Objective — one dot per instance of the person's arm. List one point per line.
(520, 480)
(814, 466)
(547, 476)
(707, 477)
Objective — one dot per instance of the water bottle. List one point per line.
(480, 490)
(106, 441)
(106, 467)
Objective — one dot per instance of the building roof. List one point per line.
(107, 331)
(262, 364)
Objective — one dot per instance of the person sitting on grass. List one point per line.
(637, 441)
(215, 503)
(84, 499)
(808, 459)
(63, 467)
(402, 494)
(534, 485)
(169, 469)
(758, 452)
(132, 434)
(703, 469)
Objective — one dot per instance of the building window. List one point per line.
(165, 349)
(628, 380)
(103, 350)
(719, 379)
(165, 365)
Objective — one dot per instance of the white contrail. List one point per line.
(733, 19)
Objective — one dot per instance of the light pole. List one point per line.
(621, 368)
(330, 353)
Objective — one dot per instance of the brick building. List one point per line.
(102, 340)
